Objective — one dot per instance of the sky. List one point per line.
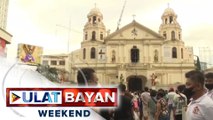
(46, 23)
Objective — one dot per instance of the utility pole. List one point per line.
(69, 30)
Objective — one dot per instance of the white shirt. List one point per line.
(200, 109)
(210, 94)
(145, 97)
(171, 97)
(180, 101)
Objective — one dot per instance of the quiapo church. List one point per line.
(134, 54)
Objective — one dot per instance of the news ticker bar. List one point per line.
(62, 97)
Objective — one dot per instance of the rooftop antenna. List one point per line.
(119, 21)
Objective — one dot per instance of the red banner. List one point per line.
(3, 43)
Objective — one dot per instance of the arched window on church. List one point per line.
(86, 35)
(174, 52)
(173, 35)
(89, 20)
(92, 53)
(166, 21)
(171, 19)
(134, 54)
(181, 53)
(101, 36)
(179, 36)
(84, 53)
(164, 35)
(93, 35)
(94, 20)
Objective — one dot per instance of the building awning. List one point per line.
(4, 35)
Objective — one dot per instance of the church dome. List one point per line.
(95, 11)
(168, 11)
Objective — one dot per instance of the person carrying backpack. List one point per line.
(180, 102)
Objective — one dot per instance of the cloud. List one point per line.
(34, 21)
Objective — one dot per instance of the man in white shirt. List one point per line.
(201, 106)
(171, 95)
(145, 96)
(209, 84)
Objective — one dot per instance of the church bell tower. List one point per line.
(170, 28)
(94, 33)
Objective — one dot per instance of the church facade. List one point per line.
(134, 54)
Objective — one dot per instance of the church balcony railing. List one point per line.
(138, 65)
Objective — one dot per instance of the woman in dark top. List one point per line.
(124, 111)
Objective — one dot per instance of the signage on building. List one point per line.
(29, 54)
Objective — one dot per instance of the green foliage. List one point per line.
(197, 64)
(50, 73)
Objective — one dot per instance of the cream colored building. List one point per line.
(5, 37)
(3, 13)
(59, 61)
(162, 55)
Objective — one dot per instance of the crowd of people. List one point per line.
(152, 105)
(190, 101)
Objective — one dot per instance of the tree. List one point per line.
(197, 64)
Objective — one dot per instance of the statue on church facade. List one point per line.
(113, 56)
(121, 78)
(153, 79)
(156, 56)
